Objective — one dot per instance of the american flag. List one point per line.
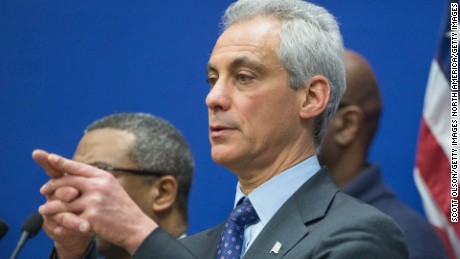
(436, 171)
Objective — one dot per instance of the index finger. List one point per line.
(71, 167)
(41, 158)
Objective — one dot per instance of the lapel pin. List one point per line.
(276, 248)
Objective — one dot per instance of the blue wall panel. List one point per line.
(64, 64)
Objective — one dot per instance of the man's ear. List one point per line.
(165, 193)
(314, 97)
(347, 123)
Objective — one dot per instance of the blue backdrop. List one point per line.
(67, 63)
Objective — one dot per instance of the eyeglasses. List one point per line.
(109, 168)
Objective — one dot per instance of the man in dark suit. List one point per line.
(276, 75)
(345, 149)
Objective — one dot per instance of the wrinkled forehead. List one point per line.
(250, 41)
(258, 32)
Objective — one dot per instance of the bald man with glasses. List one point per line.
(152, 162)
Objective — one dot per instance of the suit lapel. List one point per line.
(283, 228)
(208, 245)
(290, 224)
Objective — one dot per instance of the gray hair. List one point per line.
(310, 44)
(158, 146)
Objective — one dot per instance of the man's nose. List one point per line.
(219, 97)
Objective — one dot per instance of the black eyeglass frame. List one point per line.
(126, 170)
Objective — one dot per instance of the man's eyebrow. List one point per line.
(210, 68)
(241, 62)
(247, 62)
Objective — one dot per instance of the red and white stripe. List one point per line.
(432, 170)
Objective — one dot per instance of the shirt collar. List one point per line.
(271, 195)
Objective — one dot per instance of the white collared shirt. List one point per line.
(271, 195)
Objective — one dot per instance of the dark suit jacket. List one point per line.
(422, 240)
(318, 221)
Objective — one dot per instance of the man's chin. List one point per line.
(223, 153)
(221, 159)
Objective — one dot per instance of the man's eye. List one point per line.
(243, 78)
(211, 81)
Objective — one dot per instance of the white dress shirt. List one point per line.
(271, 195)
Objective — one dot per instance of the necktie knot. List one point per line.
(233, 235)
(244, 214)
